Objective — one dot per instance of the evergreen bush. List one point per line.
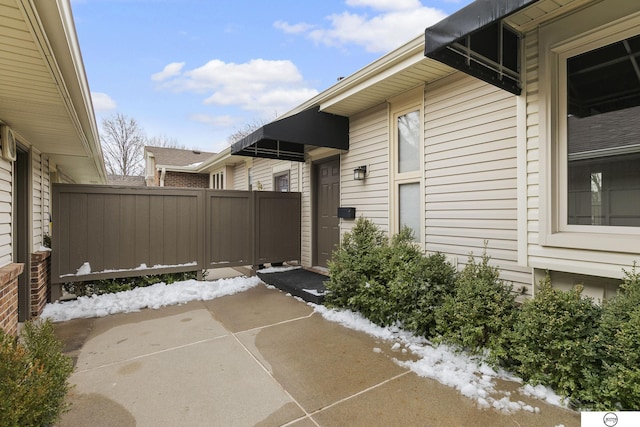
(478, 311)
(109, 286)
(33, 377)
(356, 261)
(553, 340)
(389, 282)
(618, 340)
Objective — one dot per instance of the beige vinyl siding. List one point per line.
(264, 170)
(578, 261)
(306, 251)
(6, 201)
(41, 197)
(471, 174)
(240, 177)
(368, 146)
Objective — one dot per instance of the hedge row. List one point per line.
(588, 353)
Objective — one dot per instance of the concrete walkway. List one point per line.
(256, 358)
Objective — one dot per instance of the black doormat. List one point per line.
(299, 282)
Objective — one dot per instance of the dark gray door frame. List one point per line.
(21, 218)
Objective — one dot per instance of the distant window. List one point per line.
(281, 182)
(217, 181)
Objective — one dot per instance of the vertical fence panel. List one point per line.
(116, 229)
(277, 222)
(230, 234)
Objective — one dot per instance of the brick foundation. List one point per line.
(9, 298)
(40, 280)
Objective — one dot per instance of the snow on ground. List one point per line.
(154, 296)
(469, 375)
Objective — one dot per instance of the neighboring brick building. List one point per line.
(173, 167)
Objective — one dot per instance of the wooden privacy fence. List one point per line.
(108, 232)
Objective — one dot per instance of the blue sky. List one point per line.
(196, 71)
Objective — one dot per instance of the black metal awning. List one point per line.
(286, 138)
(475, 40)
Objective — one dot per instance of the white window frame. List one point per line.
(217, 180)
(558, 42)
(404, 104)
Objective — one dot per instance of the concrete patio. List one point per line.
(260, 358)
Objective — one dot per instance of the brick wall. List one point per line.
(190, 180)
(40, 280)
(9, 298)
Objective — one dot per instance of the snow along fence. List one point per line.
(101, 232)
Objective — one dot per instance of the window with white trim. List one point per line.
(603, 135)
(590, 190)
(408, 170)
(216, 180)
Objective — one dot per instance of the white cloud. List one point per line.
(102, 102)
(170, 70)
(393, 23)
(259, 85)
(287, 28)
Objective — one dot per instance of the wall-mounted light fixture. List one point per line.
(360, 173)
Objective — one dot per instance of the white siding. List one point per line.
(471, 174)
(307, 222)
(264, 170)
(580, 261)
(240, 177)
(368, 146)
(6, 249)
(41, 198)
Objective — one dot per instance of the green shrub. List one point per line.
(33, 377)
(357, 260)
(480, 308)
(418, 288)
(618, 339)
(388, 282)
(553, 340)
(109, 286)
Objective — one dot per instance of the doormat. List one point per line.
(299, 282)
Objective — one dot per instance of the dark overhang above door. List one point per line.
(285, 139)
(476, 41)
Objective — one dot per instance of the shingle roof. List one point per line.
(176, 156)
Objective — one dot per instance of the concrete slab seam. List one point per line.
(344, 399)
(142, 356)
(284, 322)
(264, 368)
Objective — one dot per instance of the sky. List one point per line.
(469, 375)
(196, 71)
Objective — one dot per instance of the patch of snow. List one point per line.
(154, 296)
(85, 269)
(377, 350)
(44, 249)
(543, 393)
(470, 375)
(314, 292)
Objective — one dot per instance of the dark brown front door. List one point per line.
(328, 199)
